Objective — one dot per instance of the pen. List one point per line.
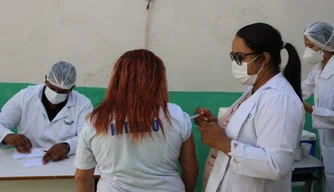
(65, 156)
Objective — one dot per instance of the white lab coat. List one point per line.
(320, 82)
(265, 131)
(27, 111)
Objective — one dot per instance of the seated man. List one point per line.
(49, 115)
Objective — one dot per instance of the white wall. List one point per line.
(193, 37)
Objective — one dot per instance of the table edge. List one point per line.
(308, 168)
(41, 177)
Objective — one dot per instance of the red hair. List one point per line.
(137, 93)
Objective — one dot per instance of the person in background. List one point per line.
(319, 51)
(135, 137)
(254, 142)
(49, 115)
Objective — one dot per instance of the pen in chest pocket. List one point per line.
(68, 122)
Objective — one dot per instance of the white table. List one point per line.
(54, 176)
(308, 163)
(12, 169)
(305, 169)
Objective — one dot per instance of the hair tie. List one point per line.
(284, 44)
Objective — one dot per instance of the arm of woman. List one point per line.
(83, 180)
(308, 108)
(308, 85)
(85, 161)
(189, 164)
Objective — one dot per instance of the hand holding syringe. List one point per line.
(211, 133)
(203, 115)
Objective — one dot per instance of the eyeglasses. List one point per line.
(56, 89)
(238, 57)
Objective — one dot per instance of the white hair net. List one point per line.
(322, 35)
(63, 75)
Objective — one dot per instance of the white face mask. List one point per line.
(53, 97)
(313, 57)
(241, 75)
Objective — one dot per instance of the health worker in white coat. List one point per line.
(49, 116)
(254, 142)
(319, 51)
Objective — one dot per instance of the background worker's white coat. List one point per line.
(320, 82)
(265, 131)
(27, 111)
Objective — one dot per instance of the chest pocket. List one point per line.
(324, 90)
(68, 122)
(248, 132)
(66, 126)
(327, 74)
(240, 119)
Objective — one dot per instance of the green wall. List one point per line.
(188, 101)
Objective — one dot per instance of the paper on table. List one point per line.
(32, 162)
(36, 152)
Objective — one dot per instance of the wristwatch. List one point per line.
(68, 147)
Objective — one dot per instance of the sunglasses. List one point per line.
(238, 57)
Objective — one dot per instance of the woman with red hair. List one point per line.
(135, 137)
